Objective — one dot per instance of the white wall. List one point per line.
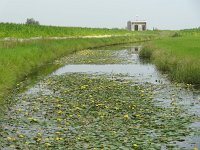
(139, 27)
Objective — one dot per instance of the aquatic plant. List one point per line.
(83, 111)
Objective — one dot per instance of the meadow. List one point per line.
(177, 55)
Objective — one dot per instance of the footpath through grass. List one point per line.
(177, 55)
(19, 59)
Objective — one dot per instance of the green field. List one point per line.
(27, 31)
(177, 55)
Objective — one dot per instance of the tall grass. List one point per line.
(19, 59)
(25, 31)
(178, 56)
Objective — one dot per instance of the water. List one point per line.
(133, 67)
(146, 73)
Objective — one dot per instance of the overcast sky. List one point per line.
(163, 14)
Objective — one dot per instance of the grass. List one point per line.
(19, 59)
(27, 31)
(177, 55)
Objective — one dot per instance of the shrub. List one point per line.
(176, 35)
(32, 21)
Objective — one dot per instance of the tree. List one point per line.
(32, 21)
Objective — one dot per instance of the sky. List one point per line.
(161, 14)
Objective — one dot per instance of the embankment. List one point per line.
(178, 56)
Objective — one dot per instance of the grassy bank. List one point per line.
(19, 59)
(177, 55)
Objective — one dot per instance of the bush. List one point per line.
(176, 34)
(32, 21)
(146, 53)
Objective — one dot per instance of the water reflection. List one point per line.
(135, 49)
(145, 73)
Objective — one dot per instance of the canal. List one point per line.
(103, 98)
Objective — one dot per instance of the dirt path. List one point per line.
(56, 38)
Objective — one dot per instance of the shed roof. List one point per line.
(139, 22)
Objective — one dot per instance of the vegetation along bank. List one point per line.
(177, 55)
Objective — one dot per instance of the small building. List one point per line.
(137, 25)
